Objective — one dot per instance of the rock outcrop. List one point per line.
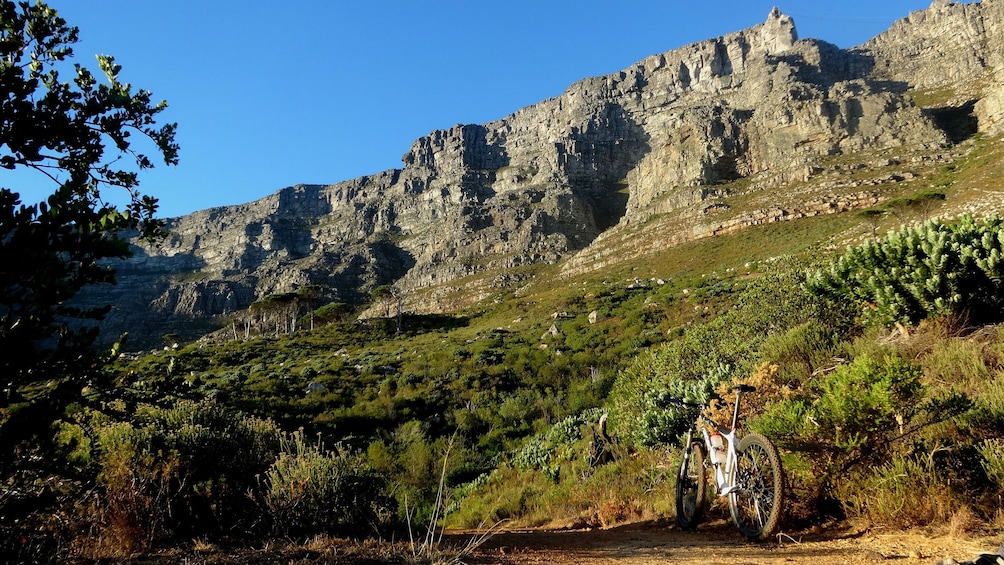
(958, 48)
(474, 204)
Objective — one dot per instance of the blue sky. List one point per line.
(271, 94)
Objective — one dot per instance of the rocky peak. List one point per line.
(779, 32)
(475, 203)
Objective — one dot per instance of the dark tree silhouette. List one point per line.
(81, 134)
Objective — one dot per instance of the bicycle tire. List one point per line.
(757, 504)
(691, 486)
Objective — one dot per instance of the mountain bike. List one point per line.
(748, 471)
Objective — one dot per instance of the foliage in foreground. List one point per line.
(201, 469)
(932, 269)
(86, 137)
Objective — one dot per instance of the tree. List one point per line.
(383, 294)
(81, 135)
(389, 296)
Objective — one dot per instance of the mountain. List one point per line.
(618, 165)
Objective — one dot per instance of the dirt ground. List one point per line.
(719, 543)
(645, 543)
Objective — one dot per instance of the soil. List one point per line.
(653, 543)
(643, 543)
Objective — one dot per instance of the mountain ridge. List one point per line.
(477, 207)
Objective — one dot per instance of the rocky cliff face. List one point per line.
(958, 48)
(474, 203)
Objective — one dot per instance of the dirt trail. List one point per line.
(716, 543)
(646, 543)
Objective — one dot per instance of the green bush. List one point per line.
(652, 421)
(856, 417)
(311, 490)
(851, 413)
(992, 451)
(935, 268)
(988, 414)
(802, 350)
(547, 451)
(182, 469)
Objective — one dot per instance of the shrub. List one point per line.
(992, 451)
(949, 357)
(799, 352)
(311, 490)
(920, 271)
(134, 511)
(852, 412)
(854, 418)
(771, 388)
(658, 423)
(181, 469)
(547, 451)
(903, 492)
(988, 415)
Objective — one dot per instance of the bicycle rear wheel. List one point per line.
(691, 486)
(757, 502)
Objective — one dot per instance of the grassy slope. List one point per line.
(491, 374)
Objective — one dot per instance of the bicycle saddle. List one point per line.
(743, 388)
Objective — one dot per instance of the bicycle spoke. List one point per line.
(759, 494)
(755, 503)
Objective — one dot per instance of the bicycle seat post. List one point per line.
(739, 390)
(735, 411)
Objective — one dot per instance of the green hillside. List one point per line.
(489, 414)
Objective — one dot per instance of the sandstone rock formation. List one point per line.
(475, 204)
(951, 46)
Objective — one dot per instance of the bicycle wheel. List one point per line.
(691, 487)
(756, 503)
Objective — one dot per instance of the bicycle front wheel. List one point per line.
(691, 486)
(758, 499)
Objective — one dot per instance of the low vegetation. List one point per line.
(354, 428)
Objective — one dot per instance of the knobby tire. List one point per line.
(756, 506)
(691, 486)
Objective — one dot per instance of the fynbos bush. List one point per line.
(903, 492)
(992, 451)
(310, 490)
(920, 271)
(852, 413)
(171, 471)
(855, 418)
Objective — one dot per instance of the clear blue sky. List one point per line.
(271, 94)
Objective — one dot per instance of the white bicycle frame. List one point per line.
(724, 477)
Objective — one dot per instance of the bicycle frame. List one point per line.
(724, 477)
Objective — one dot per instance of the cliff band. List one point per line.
(475, 206)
